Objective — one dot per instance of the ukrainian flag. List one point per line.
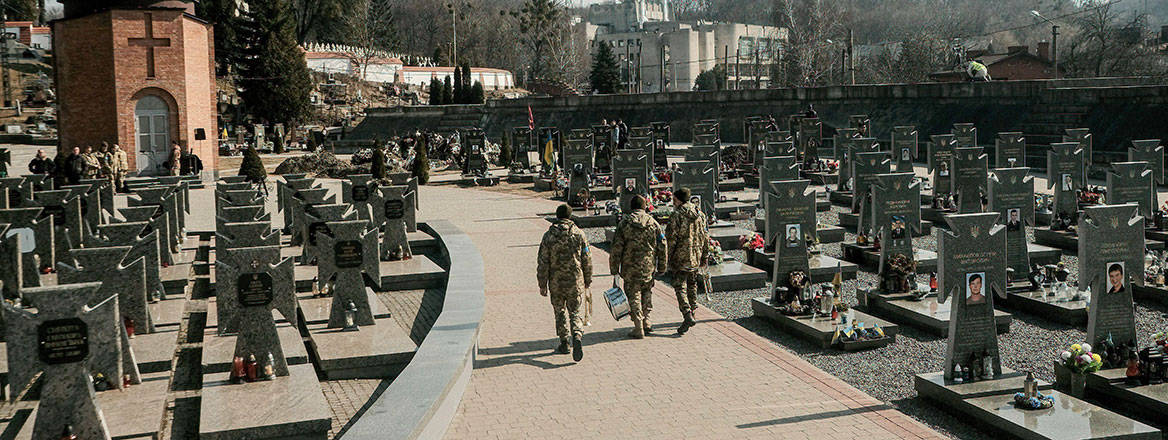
(549, 152)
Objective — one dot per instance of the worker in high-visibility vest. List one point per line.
(977, 71)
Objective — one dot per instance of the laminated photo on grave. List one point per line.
(794, 235)
(1014, 221)
(974, 293)
(897, 227)
(1115, 272)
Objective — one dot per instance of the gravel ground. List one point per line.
(887, 373)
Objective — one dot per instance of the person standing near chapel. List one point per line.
(105, 159)
(41, 164)
(689, 249)
(91, 164)
(564, 271)
(638, 252)
(173, 164)
(119, 165)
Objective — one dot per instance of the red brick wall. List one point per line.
(1021, 67)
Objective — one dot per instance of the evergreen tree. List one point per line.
(466, 85)
(605, 75)
(378, 167)
(459, 92)
(478, 96)
(435, 92)
(505, 152)
(252, 166)
(421, 168)
(223, 14)
(447, 92)
(713, 79)
(277, 144)
(274, 76)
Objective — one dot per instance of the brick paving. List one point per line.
(719, 381)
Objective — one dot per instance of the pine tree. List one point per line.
(225, 18)
(274, 76)
(605, 75)
(252, 166)
(459, 93)
(435, 92)
(378, 167)
(277, 144)
(466, 85)
(478, 96)
(447, 92)
(421, 168)
(505, 152)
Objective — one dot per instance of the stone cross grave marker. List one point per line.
(66, 219)
(699, 178)
(156, 223)
(34, 237)
(862, 124)
(660, 135)
(350, 260)
(970, 171)
(603, 144)
(790, 217)
(643, 144)
(357, 190)
(143, 243)
(1131, 182)
(630, 176)
(940, 159)
(777, 168)
(1065, 174)
(286, 195)
(779, 148)
(845, 141)
(1150, 151)
(1111, 259)
(90, 203)
(394, 213)
(810, 139)
(476, 152)
(11, 196)
(1011, 195)
(965, 134)
(234, 179)
(972, 271)
(578, 160)
(166, 199)
(107, 190)
(852, 148)
(68, 341)
(522, 143)
(895, 214)
(711, 153)
(182, 194)
(107, 266)
(904, 147)
(250, 283)
(707, 128)
(303, 201)
(1082, 136)
(316, 220)
(865, 167)
(1010, 151)
(11, 273)
(241, 214)
(756, 137)
(246, 234)
(34, 183)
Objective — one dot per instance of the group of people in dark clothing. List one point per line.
(106, 162)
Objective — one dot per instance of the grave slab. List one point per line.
(1039, 303)
(926, 314)
(167, 312)
(219, 350)
(1149, 293)
(823, 267)
(419, 272)
(290, 407)
(421, 242)
(132, 413)
(869, 257)
(1069, 241)
(820, 330)
(315, 310)
(725, 209)
(1147, 403)
(378, 351)
(734, 275)
(154, 352)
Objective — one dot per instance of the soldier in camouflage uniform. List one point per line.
(565, 270)
(638, 251)
(689, 250)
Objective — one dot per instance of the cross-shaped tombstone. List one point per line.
(394, 211)
(34, 183)
(107, 191)
(1011, 195)
(706, 128)
(756, 137)
(167, 200)
(854, 147)
(660, 132)
(521, 141)
(248, 287)
(156, 223)
(476, 155)
(578, 157)
(895, 215)
(11, 197)
(357, 190)
(972, 270)
(630, 176)
(66, 343)
(711, 153)
(940, 159)
(777, 168)
(143, 243)
(301, 203)
(241, 214)
(34, 237)
(349, 259)
(91, 207)
(1111, 260)
(810, 138)
(287, 194)
(1010, 151)
(11, 274)
(699, 178)
(790, 216)
(1082, 136)
(316, 220)
(126, 280)
(965, 134)
(245, 234)
(182, 188)
(904, 147)
(779, 148)
(602, 143)
(247, 197)
(1064, 166)
(862, 124)
(845, 140)
(643, 144)
(970, 171)
(865, 167)
(66, 219)
(1131, 182)
(1150, 151)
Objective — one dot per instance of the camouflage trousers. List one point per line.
(685, 285)
(640, 295)
(569, 321)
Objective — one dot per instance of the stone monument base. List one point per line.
(823, 267)
(154, 352)
(378, 351)
(869, 258)
(218, 351)
(470, 180)
(827, 233)
(850, 221)
(1069, 241)
(734, 275)
(1038, 303)
(820, 177)
(926, 314)
(727, 237)
(287, 408)
(419, 272)
(820, 330)
(167, 313)
(1152, 294)
(1147, 403)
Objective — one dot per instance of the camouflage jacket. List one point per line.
(638, 247)
(688, 238)
(565, 264)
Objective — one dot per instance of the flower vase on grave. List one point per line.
(126, 381)
(270, 367)
(129, 323)
(315, 287)
(1132, 375)
(251, 366)
(238, 371)
(68, 434)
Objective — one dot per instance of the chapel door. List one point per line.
(152, 117)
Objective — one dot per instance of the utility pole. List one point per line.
(454, 25)
(725, 65)
(4, 52)
(737, 67)
(639, 89)
(851, 59)
(1054, 49)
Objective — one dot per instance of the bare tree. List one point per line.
(370, 32)
(815, 37)
(1104, 44)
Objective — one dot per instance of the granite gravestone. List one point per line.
(357, 190)
(1082, 136)
(287, 194)
(1151, 152)
(245, 234)
(143, 244)
(707, 127)
(395, 212)
(862, 124)
(1065, 176)
(248, 287)
(1111, 259)
(157, 224)
(127, 281)
(845, 139)
(779, 148)
(904, 147)
(756, 137)
(854, 147)
(711, 153)
(865, 167)
(965, 134)
(940, 159)
(699, 178)
(476, 153)
(777, 168)
(35, 183)
(90, 203)
(182, 194)
(810, 139)
(522, 142)
(643, 144)
(316, 220)
(107, 190)
(630, 176)
(1011, 195)
(11, 273)
(166, 199)
(972, 271)
(895, 214)
(578, 157)
(705, 140)
(970, 171)
(1131, 182)
(65, 215)
(790, 220)
(408, 194)
(603, 144)
(1010, 151)
(241, 214)
(34, 236)
(10, 195)
(350, 261)
(66, 343)
(301, 203)
(660, 134)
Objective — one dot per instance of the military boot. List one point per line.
(577, 348)
(563, 348)
(686, 324)
(646, 325)
(638, 332)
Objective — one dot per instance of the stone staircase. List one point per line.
(461, 118)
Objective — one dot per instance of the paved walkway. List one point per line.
(720, 381)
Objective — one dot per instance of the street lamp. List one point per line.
(1053, 40)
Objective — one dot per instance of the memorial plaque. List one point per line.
(1065, 176)
(865, 168)
(904, 147)
(630, 176)
(1010, 151)
(940, 159)
(1082, 136)
(252, 321)
(63, 341)
(1111, 259)
(971, 272)
(1131, 182)
(790, 217)
(394, 209)
(699, 178)
(255, 289)
(1011, 195)
(315, 229)
(360, 193)
(349, 254)
(777, 169)
(965, 135)
(810, 139)
(895, 214)
(970, 171)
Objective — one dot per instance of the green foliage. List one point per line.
(466, 85)
(223, 14)
(447, 91)
(477, 95)
(713, 79)
(278, 144)
(435, 92)
(378, 168)
(459, 92)
(421, 166)
(542, 22)
(252, 166)
(274, 76)
(605, 76)
(505, 152)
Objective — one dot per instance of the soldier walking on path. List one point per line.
(689, 250)
(638, 252)
(565, 270)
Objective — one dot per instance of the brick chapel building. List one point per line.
(139, 73)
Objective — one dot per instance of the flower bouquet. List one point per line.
(751, 241)
(1080, 360)
(1039, 401)
(716, 255)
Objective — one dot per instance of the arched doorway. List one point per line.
(152, 116)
